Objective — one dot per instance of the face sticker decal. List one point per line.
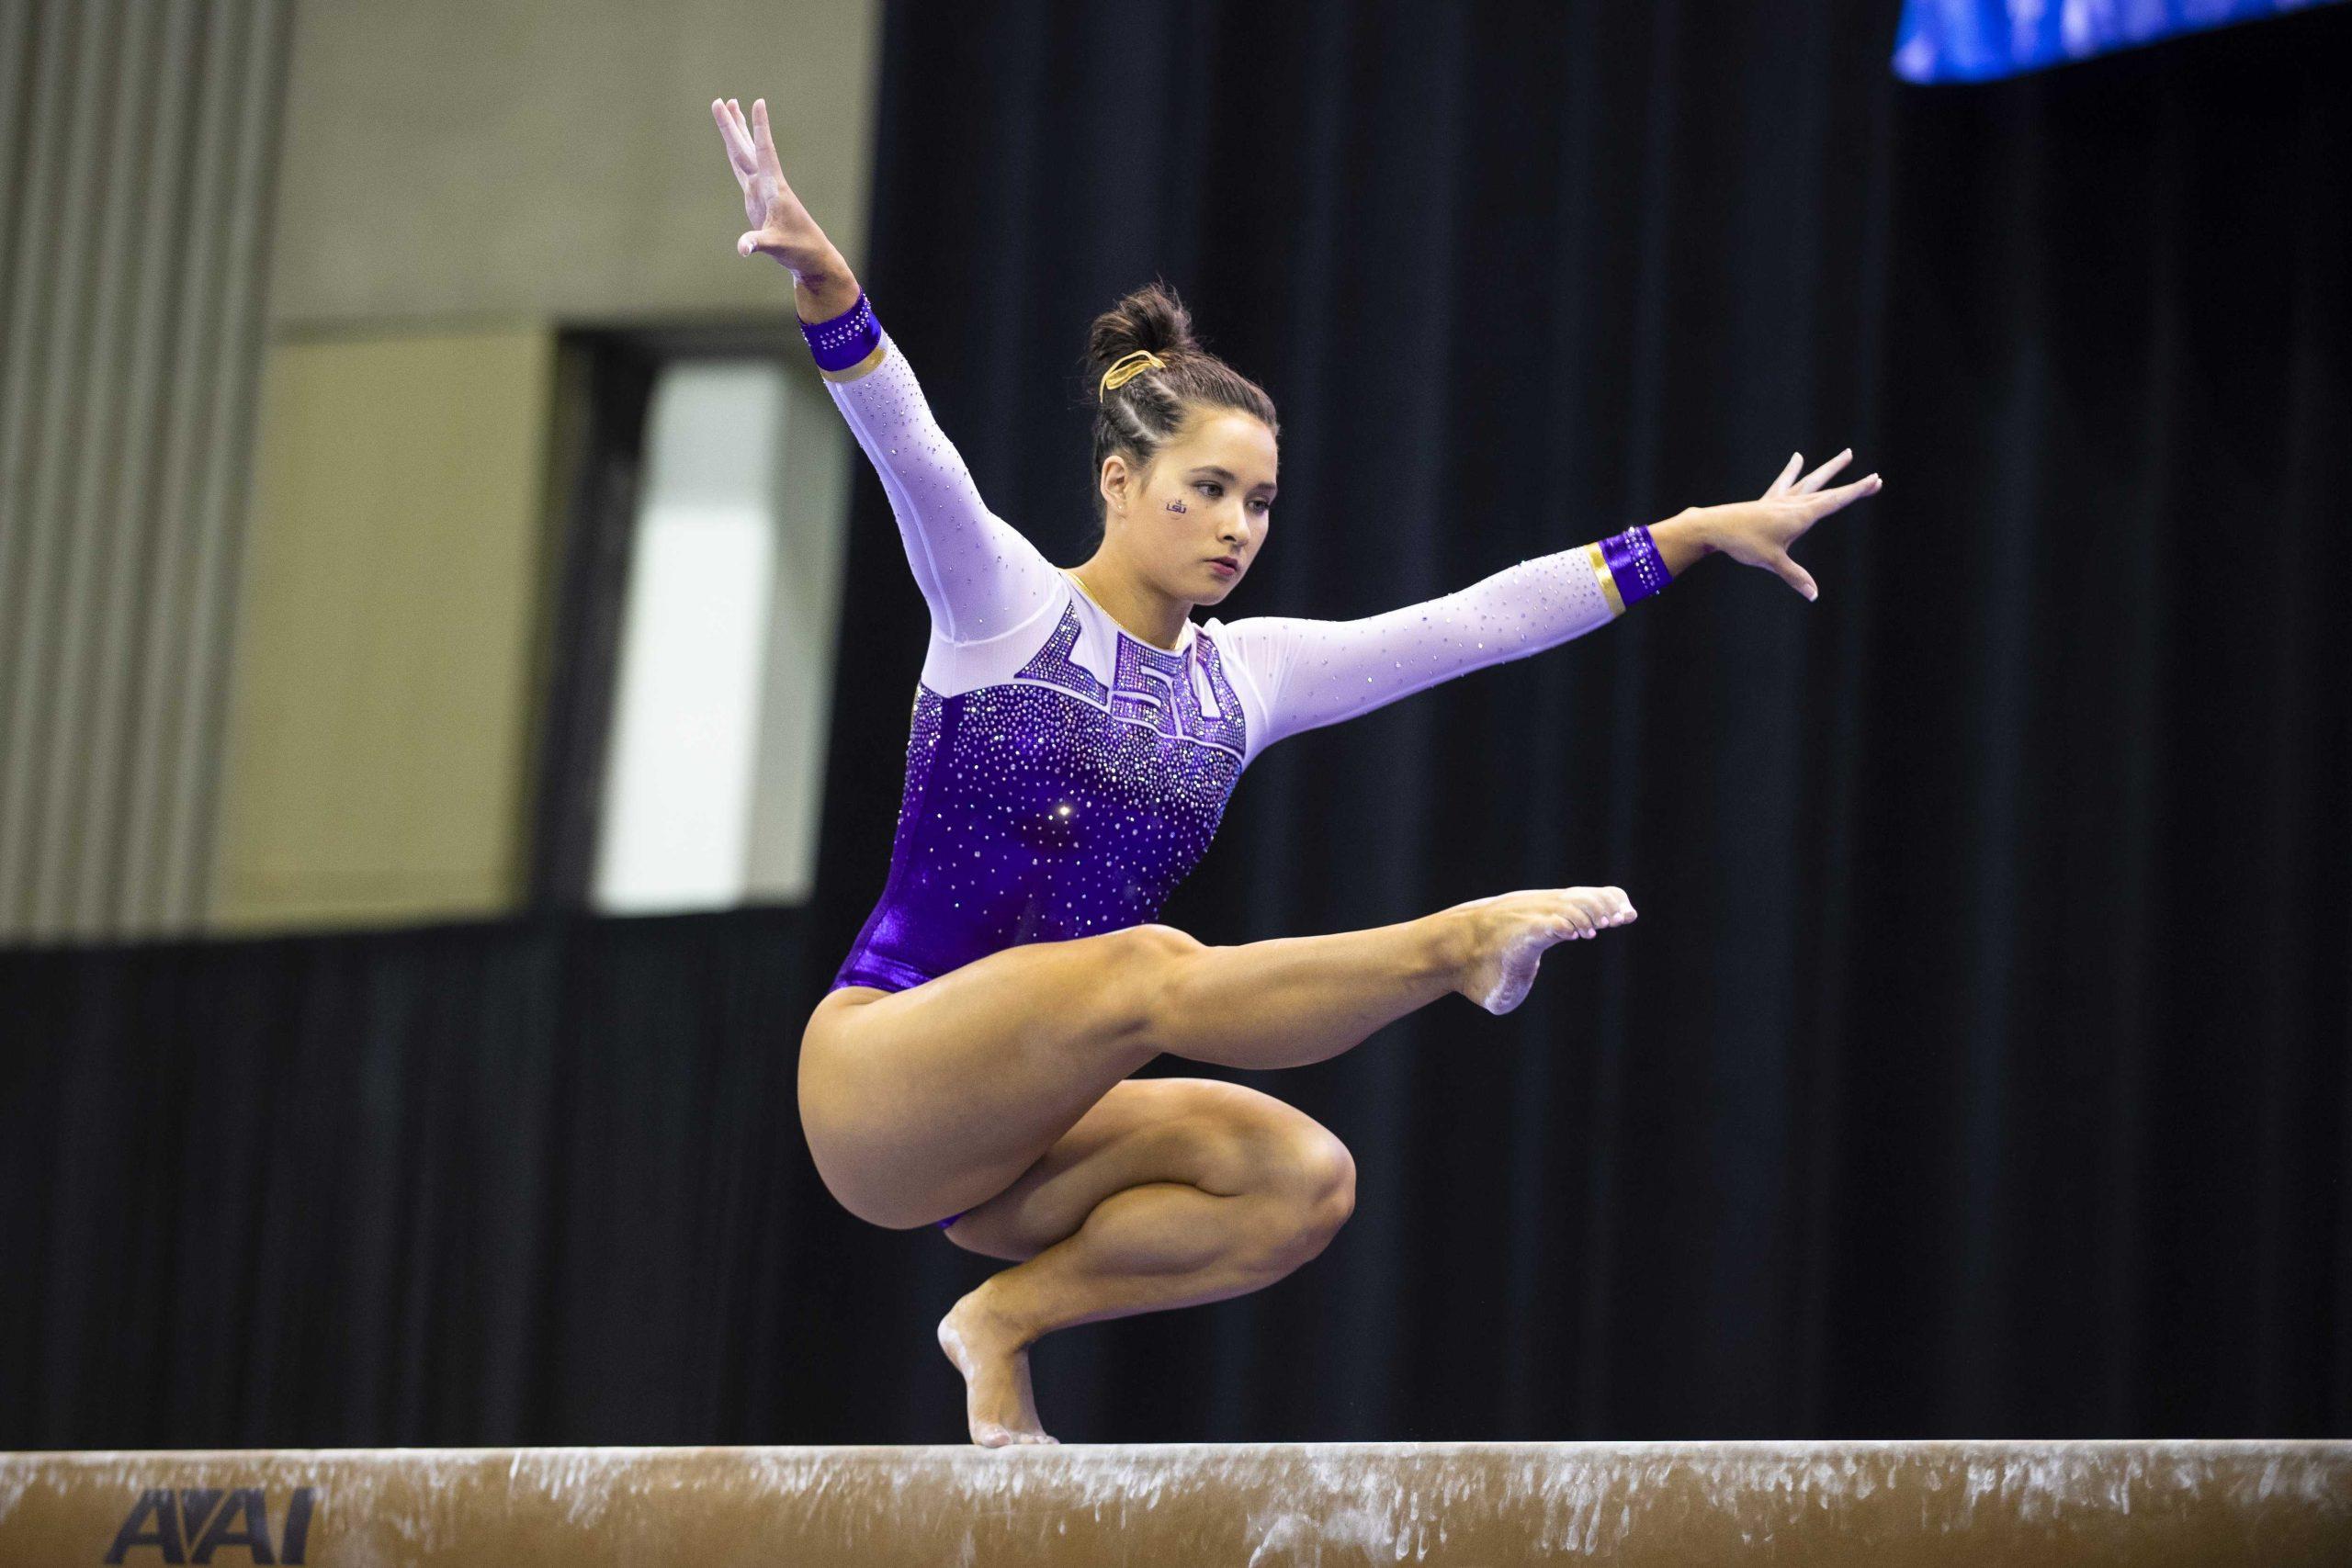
(1176, 506)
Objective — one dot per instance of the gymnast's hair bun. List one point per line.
(1150, 318)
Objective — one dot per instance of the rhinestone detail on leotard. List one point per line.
(1050, 806)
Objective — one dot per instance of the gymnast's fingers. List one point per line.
(761, 137)
(1796, 577)
(739, 146)
(1820, 476)
(1828, 500)
(1781, 485)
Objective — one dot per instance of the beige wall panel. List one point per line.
(446, 158)
(138, 159)
(380, 716)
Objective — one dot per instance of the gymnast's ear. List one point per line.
(1119, 481)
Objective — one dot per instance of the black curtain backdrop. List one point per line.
(1978, 1065)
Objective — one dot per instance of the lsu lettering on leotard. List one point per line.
(1062, 774)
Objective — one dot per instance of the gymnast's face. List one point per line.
(1208, 496)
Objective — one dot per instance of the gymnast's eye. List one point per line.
(1212, 485)
(1261, 503)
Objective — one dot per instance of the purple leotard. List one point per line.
(1064, 776)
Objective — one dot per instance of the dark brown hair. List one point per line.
(1139, 416)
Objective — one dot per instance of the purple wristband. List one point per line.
(1634, 564)
(846, 339)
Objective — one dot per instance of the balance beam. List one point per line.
(1885, 1505)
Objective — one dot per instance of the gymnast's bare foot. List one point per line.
(1503, 938)
(997, 1397)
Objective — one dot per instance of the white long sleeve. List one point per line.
(980, 577)
(1311, 673)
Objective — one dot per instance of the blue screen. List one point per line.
(1971, 40)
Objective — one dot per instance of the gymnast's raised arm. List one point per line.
(1312, 672)
(978, 574)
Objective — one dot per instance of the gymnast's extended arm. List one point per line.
(980, 576)
(1312, 672)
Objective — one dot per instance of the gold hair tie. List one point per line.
(1131, 367)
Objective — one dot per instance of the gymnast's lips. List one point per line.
(1231, 564)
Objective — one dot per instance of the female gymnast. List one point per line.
(1075, 737)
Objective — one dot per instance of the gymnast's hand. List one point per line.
(781, 227)
(1759, 532)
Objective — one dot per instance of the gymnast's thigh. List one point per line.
(919, 1102)
(1223, 1138)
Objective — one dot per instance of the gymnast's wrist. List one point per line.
(1684, 539)
(846, 346)
(823, 290)
(1627, 567)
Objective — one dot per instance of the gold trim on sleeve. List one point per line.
(1608, 580)
(863, 366)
